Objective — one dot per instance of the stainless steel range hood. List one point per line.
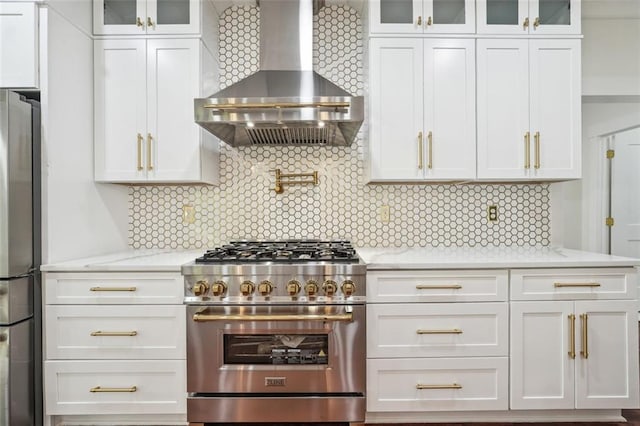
(286, 102)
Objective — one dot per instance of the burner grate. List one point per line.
(281, 251)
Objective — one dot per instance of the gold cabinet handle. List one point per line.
(536, 139)
(149, 22)
(430, 150)
(527, 150)
(420, 150)
(113, 289)
(559, 285)
(536, 23)
(429, 21)
(139, 23)
(149, 152)
(572, 336)
(419, 21)
(438, 286)
(451, 386)
(585, 336)
(114, 333)
(452, 331)
(101, 389)
(140, 139)
(525, 24)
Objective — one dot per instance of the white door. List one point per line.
(555, 114)
(449, 109)
(625, 194)
(177, 17)
(542, 369)
(396, 92)
(120, 110)
(449, 17)
(554, 17)
(172, 140)
(392, 16)
(18, 45)
(608, 376)
(119, 16)
(503, 109)
(503, 17)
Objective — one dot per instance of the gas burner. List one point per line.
(281, 251)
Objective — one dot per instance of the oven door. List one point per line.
(293, 349)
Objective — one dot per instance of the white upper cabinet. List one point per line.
(146, 17)
(422, 109)
(144, 127)
(421, 16)
(18, 45)
(529, 109)
(528, 17)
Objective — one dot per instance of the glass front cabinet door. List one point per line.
(146, 17)
(528, 17)
(422, 16)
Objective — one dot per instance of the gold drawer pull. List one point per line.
(113, 289)
(420, 150)
(101, 389)
(114, 333)
(438, 287)
(558, 285)
(452, 331)
(572, 336)
(527, 150)
(140, 138)
(451, 386)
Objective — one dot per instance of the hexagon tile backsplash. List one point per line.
(342, 205)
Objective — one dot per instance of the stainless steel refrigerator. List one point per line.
(20, 367)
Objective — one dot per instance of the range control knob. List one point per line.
(311, 288)
(200, 288)
(265, 287)
(218, 288)
(293, 287)
(348, 288)
(330, 287)
(247, 288)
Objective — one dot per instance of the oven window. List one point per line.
(276, 348)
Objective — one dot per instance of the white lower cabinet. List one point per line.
(444, 348)
(574, 338)
(114, 347)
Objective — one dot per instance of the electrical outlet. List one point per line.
(188, 214)
(492, 213)
(385, 213)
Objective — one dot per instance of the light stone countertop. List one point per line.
(487, 257)
(170, 260)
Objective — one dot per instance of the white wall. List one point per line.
(80, 218)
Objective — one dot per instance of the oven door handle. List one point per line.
(202, 317)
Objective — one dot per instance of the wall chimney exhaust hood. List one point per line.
(285, 102)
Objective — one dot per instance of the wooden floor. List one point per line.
(632, 416)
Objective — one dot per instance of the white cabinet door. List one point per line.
(503, 109)
(529, 109)
(120, 110)
(449, 16)
(421, 16)
(140, 17)
(172, 135)
(396, 120)
(19, 45)
(392, 16)
(449, 135)
(555, 114)
(529, 17)
(607, 371)
(542, 372)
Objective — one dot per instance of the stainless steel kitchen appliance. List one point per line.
(285, 102)
(19, 260)
(276, 333)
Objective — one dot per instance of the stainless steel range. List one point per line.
(276, 333)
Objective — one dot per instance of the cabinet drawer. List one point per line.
(437, 286)
(437, 329)
(113, 288)
(115, 387)
(574, 284)
(457, 384)
(115, 332)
